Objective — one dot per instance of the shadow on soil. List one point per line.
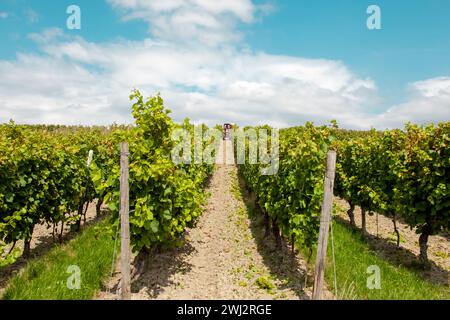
(45, 244)
(282, 263)
(159, 266)
(399, 256)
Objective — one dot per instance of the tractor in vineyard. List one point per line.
(227, 131)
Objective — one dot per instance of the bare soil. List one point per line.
(224, 257)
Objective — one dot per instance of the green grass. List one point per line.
(46, 278)
(353, 257)
(442, 255)
(265, 283)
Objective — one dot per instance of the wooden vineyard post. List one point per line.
(125, 255)
(325, 217)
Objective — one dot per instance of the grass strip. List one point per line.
(53, 276)
(354, 257)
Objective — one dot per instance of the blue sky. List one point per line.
(414, 42)
(305, 60)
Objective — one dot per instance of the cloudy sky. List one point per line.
(281, 62)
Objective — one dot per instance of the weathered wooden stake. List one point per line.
(124, 223)
(325, 217)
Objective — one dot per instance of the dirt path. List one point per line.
(225, 256)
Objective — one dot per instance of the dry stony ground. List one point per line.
(385, 243)
(224, 257)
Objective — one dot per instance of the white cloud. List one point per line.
(432, 87)
(210, 23)
(4, 15)
(243, 9)
(47, 35)
(214, 85)
(429, 103)
(41, 90)
(73, 81)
